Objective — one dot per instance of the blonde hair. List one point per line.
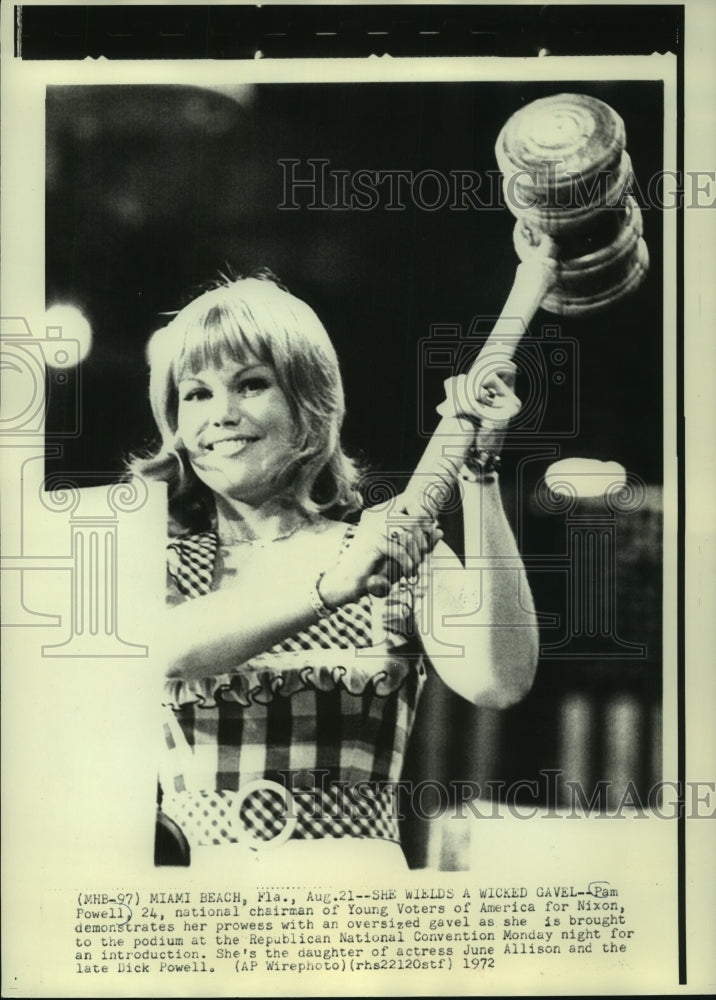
(243, 318)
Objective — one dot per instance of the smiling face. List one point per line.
(237, 428)
(280, 435)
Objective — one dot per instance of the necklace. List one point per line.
(261, 543)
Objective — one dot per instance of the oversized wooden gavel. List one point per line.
(579, 238)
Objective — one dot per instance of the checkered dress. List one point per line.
(302, 741)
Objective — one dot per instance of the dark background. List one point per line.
(152, 190)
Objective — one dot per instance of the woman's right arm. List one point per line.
(216, 633)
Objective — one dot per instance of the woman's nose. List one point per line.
(227, 409)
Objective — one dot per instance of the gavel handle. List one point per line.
(437, 471)
(430, 485)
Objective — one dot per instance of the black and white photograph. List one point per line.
(343, 459)
(404, 240)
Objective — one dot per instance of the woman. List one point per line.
(292, 681)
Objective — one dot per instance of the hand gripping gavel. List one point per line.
(579, 239)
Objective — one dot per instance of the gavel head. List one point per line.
(566, 174)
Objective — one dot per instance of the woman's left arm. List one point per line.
(479, 624)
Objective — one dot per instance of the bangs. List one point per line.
(251, 320)
(217, 335)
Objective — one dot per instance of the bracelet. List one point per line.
(316, 601)
(480, 466)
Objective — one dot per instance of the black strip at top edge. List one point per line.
(347, 30)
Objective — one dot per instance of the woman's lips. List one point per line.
(230, 446)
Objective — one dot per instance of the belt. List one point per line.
(264, 814)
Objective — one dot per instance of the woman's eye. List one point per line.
(249, 386)
(192, 394)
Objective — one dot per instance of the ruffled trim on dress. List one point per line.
(254, 684)
(339, 652)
